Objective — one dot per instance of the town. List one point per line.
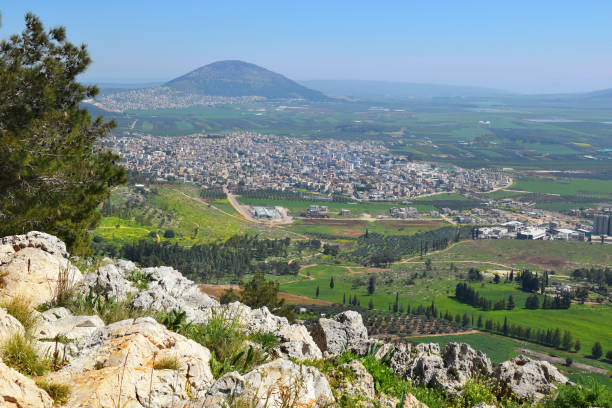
(245, 160)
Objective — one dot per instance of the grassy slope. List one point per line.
(183, 211)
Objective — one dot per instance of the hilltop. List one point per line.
(239, 78)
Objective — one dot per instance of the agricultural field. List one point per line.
(565, 186)
(373, 209)
(560, 256)
(177, 208)
(414, 284)
(347, 229)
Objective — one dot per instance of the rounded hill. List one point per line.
(239, 78)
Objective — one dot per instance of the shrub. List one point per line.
(596, 351)
(168, 362)
(21, 309)
(267, 341)
(588, 394)
(568, 361)
(222, 334)
(57, 391)
(19, 352)
(109, 309)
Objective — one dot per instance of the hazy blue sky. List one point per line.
(531, 46)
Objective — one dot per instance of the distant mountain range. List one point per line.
(398, 90)
(238, 78)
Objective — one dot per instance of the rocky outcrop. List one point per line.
(344, 332)
(119, 361)
(19, 391)
(109, 279)
(450, 370)
(529, 379)
(353, 380)
(61, 322)
(280, 383)
(296, 342)
(32, 264)
(410, 401)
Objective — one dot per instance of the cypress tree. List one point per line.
(317, 293)
(331, 283)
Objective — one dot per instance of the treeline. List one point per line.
(214, 193)
(234, 258)
(378, 249)
(466, 294)
(547, 337)
(599, 276)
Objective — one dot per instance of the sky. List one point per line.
(524, 46)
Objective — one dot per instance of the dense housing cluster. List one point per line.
(364, 170)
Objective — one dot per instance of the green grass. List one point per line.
(357, 208)
(178, 207)
(19, 352)
(59, 392)
(565, 186)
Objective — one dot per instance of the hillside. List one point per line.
(238, 78)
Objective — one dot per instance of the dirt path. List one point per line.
(559, 360)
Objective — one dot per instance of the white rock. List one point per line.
(33, 263)
(296, 342)
(121, 356)
(280, 383)
(19, 391)
(344, 331)
(529, 378)
(9, 325)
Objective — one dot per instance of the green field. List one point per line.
(565, 186)
(357, 208)
(560, 256)
(177, 207)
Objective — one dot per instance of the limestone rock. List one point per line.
(279, 383)
(529, 378)
(61, 322)
(19, 391)
(345, 330)
(33, 264)
(109, 280)
(424, 364)
(484, 405)
(354, 380)
(8, 325)
(121, 357)
(410, 401)
(296, 342)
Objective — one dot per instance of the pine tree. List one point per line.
(567, 340)
(52, 175)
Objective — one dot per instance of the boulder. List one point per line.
(279, 383)
(450, 370)
(110, 281)
(117, 363)
(19, 391)
(33, 264)
(354, 380)
(8, 325)
(344, 331)
(296, 342)
(529, 379)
